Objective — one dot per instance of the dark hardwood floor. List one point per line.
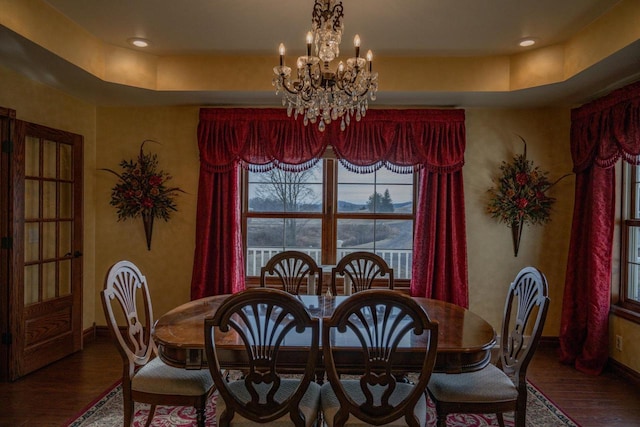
(52, 395)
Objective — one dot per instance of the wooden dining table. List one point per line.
(465, 339)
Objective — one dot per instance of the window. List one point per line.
(328, 211)
(630, 287)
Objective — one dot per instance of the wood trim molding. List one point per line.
(89, 334)
(102, 331)
(624, 372)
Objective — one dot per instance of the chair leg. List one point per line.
(520, 418)
(201, 410)
(442, 420)
(500, 419)
(152, 412)
(128, 409)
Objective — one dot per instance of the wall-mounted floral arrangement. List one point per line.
(520, 197)
(142, 191)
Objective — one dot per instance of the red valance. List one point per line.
(607, 129)
(400, 140)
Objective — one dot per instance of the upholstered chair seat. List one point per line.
(145, 377)
(156, 377)
(500, 387)
(331, 404)
(490, 384)
(309, 404)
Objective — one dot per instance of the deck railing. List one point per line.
(398, 259)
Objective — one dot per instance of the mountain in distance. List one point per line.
(354, 207)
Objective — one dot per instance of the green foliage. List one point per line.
(380, 203)
(142, 188)
(519, 196)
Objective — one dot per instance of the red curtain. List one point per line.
(218, 266)
(440, 239)
(601, 133)
(402, 140)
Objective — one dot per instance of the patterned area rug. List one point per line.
(106, 411)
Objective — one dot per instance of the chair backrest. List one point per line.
(125, 291)
(383, 323)
(259, 319)
(293, 270)
(360, 269)
(524, 315)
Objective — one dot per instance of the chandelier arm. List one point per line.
(319, 94)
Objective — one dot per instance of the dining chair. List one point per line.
(360, 270)
(501, 387)
(259, 320)
(293, 269)
(145, 377)
(380, 324)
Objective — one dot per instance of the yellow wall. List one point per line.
(630, 334)
(40, 104)
(168, 264)
(492, 137)
(114, 134)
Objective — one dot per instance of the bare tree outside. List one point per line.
(289, 190)
(281, 191)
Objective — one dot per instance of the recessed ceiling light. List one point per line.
(138, 42)
(527, 42)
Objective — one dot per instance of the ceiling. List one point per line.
(391, 28)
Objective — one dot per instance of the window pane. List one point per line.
(49, 159)
(31, 241)
(65, 277)
(31, 283)
(268, 236)
(630, 287)
(31, 199)
(66, 200)
(355, 235)
(49, 280)
(64, 242)
(48, 199)
(390, 239)
(633, 255)
(280, 191)
(48, 240)
(633, 283)
(31, 156)
(374, 212)
(382, 191)
(354, 198)
(65, 161)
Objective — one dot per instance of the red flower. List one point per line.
(522, 203)
(522, 178)
(155, 180)
(141, 187)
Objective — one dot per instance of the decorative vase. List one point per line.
(147, 221)
(516, 233)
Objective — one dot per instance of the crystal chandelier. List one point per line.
(319, 93)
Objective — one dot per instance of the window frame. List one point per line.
(329, 215)
(625, 306)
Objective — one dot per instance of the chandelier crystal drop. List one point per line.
(319, 92)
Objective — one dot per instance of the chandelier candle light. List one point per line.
(320, 93)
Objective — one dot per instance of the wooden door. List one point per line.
(45, 295)
(7, 124)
